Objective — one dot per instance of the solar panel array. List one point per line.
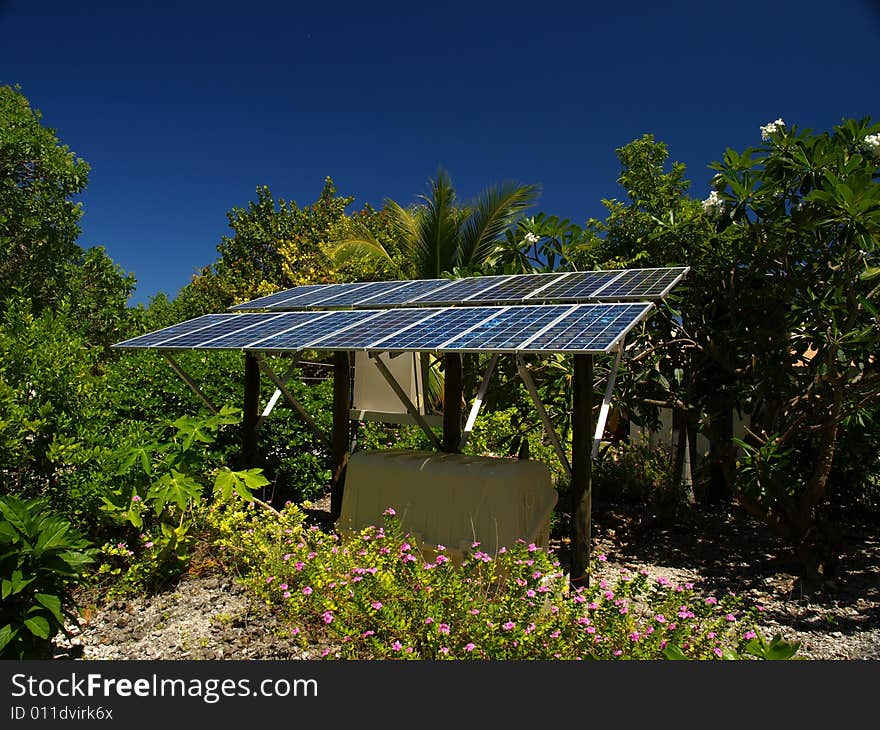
(611, 285)
(572, 328)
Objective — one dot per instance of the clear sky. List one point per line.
(183, 108)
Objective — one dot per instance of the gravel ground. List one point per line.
(212, 617)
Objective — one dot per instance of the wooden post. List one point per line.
(581, 468)
(452, 396)
(251, 411)
(341, 426)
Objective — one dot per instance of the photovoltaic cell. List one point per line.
(410, 291)
(509, 328)
(641, 283)
(316, 297)
(318, 328)
(459, 290)
(446, 325)
(273, 301)
(270, 323)
(357, 293)
(364, 334)
(590, 327)
(577, 286)
(515, 289)
(151, 339)
(231, 323)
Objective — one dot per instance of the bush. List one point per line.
(378, 595)
(41, 556)
(637, 472)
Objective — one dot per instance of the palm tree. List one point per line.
(441, 236)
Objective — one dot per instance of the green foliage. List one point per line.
(378, 595)
(637, 472)
(160, 495)
(441, 236)
(39, 223)
(41, 557)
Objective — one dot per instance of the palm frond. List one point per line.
(437, 230)
(361, 243)
(496, 209)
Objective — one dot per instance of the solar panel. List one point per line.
(516, 288)
(362, 335)
(509, 328)
(459, 290)
(446, 325)
(351, 294)
(408, 292)
(641, 283)
(151, 339)
(589, 328)
(317, 328)
(268, 324)
(231, 323)
(274, 301)
(576, 286)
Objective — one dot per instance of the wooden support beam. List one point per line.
(341, 425)
(452, 397)
(251, 411)
(581, 468)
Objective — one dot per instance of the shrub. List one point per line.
(378, 595)
(41, 556)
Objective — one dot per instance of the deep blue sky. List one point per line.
(183, 113)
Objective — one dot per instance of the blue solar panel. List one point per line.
(509, 328)
(641, 283)
(446, 325)
(589, 328)
(364, 334)
(269, 324)
(514, 289)
(151, 339)
(576, 286)
(301, 337)
(459, 290)
(276, 300)
(358, 294)
(408, 292)
(231, 323)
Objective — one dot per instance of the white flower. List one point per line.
(769, 129)
(531, 238)
(713, 204)
(872, 142)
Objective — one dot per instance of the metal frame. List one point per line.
(411, 408)
(184, 376)
(549, 429)
(606, 401)
(478, 402)
(270, 405)
(288, 396)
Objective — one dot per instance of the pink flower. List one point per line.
(396, 645)
(429, 620)
(270, 579)
(135, 498)
(601, 558)
(286, 594)
(750, 635)
(328, 617)
(470, 647)
(507, 626)
(443, 628)
(294, 632)
(717, 652)
(283, 587)
(660, 618)
(530, 593)
(730, 617)
(555, 634)
(370, 632)
(307, 591)
(376, 605)
(617, 652)
(711, 600)
(148, 544)
(444, 649)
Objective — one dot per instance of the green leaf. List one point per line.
(7, 634)
(673, 652)
(53, 603)
(38, 626)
